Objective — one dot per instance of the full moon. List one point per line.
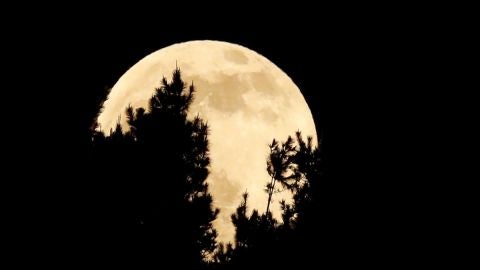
(246, 100)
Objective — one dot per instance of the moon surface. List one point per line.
(246, 100)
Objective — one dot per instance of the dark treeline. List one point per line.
(289, 243)
(159, 210)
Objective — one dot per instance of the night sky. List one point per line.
(340, 62)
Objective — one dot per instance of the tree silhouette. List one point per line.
(261, 240)
(280, 167)
(153, 176)
(255, 238)
(159, 166)
(308, 172)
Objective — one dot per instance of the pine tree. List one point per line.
(162, 162)
(262, 240)
(308, 168)
(255, 239)
(280, 167)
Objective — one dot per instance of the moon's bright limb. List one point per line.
(246, 100)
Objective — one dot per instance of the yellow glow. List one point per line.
(245, 98)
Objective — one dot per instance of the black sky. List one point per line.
(330, 67)
(344, 62)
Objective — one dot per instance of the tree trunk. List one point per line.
(270, 193)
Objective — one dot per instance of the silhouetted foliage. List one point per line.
(262, 241)
(280, 167)
(255, 236)
(155, 173)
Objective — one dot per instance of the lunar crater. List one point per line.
(228, 91)
(236, 56)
